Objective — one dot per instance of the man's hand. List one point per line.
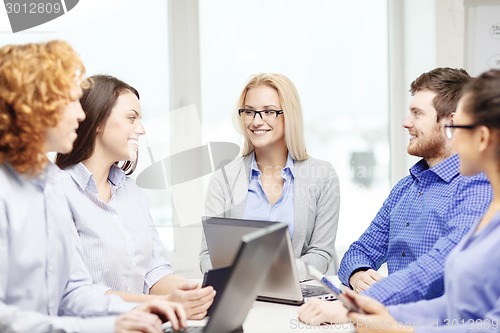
(194, 299)
(147, 317)
(362, 280)
(377, 317)
(316, 311)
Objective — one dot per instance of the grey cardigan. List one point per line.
(316, 209)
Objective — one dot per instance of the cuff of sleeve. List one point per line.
(98, 324)
(301, 269)
(345, 271)
(395, 313)
(156, 275)
(118, 306)
(205, 264)
(405, 314)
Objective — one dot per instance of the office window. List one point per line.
(336, 52)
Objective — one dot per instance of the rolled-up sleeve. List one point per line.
(160, 266)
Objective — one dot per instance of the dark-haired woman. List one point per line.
(120, 244)
(44, 284)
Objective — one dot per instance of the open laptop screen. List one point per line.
(282, 282)
(251, 264)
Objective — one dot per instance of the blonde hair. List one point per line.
(36, 81)
(290, 103)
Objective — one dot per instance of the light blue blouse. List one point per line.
(471, 302)
(120, 244)
(258, 207)
(42, 275)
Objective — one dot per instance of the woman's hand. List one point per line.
(148, 317)
(317, 311)
(194, 299)
(377, 317)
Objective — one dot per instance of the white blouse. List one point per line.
(120, 244)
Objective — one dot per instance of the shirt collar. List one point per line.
(289, 166)
(84, 179)
(40, 180)
(116, 176)
(446, 170)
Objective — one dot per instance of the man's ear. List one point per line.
(452, 117)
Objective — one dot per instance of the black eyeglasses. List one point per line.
(450, 129)
(264, 114)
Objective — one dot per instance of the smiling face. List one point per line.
(119, 137)
(427, 139)
(61, 137)
(264, 134)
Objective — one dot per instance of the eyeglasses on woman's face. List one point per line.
(267, 115)
(449, 129)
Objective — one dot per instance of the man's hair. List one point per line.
(36, 81)
(447, 83)
(292, 112)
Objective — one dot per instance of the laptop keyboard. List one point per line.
(191, 329)
(312, 291)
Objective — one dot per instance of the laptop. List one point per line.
(282, 282)
(253, 259)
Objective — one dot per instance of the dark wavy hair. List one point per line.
(97, 101)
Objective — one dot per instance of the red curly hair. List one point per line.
(35, 82)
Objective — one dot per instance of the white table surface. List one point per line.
(266, 317)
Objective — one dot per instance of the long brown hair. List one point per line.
(97, 102)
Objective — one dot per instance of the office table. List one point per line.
(266, 317)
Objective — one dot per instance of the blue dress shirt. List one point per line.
(258, 206)
(424, 217)
(44, 284)
(120, 244)
(471, 302)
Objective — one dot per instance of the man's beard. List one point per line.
(430, 147)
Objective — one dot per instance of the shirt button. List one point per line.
(403, 254)
(419, 193)
(407, 224)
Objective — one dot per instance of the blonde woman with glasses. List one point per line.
(275, 179)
